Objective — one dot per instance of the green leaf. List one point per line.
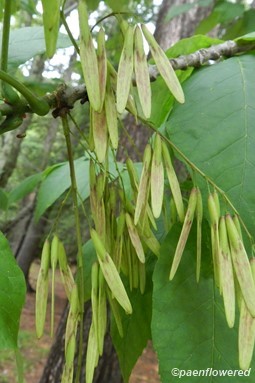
(92, 4)
(162, 100)
(246, 39)
(1, 9)
(25, 187)
(177, 10)
(136, 329)
(58, 181)
(120, 5)
(223, 12)
(189, 329)
(208, 23)
(12, 296)
(215, 129)
(28, 42)
(229, 11)
(4, 200)
(29, 6)
(241, 26)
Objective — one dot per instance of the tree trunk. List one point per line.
(168, 33)
(10, 147)
(25, 234)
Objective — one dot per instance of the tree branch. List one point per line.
(65, 96)
(215, 52)
(203, 56)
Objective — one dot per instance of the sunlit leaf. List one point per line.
(24, 188)
(12, 296)
(189, 328)
(28, 42)
(58, 181)
(215, 129)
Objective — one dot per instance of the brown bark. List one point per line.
(24, 233)
(168, 33)
(10, 148)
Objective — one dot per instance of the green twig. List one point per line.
(110, 15)
(63, 19)
(6, 34)
(80, 278)
(56, 221)
(38, 105)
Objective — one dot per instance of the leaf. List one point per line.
(51, 18)
(58, 181)
(92, 4)
(246, 39)
(189, 329)
(223, 12)
(241, 26)
(12, 296)
(136, 330)
(4, 200)
(177, 10)
(28, 42)
(162, 100)
(118, 6)
(215, 129)
(29, 6)
(25, 187)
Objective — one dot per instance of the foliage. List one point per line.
(169, 276)
(12, 296)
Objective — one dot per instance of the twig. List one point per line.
(66, 96)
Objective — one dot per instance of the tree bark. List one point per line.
(10, 148)
(168, 33)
